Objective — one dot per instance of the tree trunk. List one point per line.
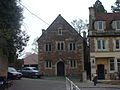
(3, 66)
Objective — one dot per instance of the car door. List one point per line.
(25, 72)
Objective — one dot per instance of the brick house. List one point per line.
(61, 50)
(104, 39)
(31, 60)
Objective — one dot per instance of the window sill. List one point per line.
(48, 68)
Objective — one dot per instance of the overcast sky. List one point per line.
(48, 10)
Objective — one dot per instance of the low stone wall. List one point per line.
(3, 66)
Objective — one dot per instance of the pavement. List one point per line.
(59, 82)
(90, 84)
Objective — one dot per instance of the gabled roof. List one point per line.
(31, 59)
(59, 21)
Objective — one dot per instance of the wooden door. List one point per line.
(60, 69)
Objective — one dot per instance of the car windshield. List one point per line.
(12, 69)
(35, 69)
(30, 68)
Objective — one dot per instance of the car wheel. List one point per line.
(38, 76)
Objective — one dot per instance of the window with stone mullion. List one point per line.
(117, 44)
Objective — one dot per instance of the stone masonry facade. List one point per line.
(60, 50)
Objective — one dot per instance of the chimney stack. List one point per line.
(84, 34)
(91, 17)
(43, 30)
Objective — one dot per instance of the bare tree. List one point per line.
(35, 46)
(79, 25)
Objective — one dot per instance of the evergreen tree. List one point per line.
(99, 8)
(117, 7)
(12, 38)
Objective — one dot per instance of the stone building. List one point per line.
(104, 38)
(61, 50)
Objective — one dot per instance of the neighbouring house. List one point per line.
(31, 60)
(104, 39)
(61, 50)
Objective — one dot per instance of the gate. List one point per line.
(70, 85)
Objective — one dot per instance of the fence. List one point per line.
(70, 85)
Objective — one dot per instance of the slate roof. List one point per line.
(55, 24)
(108, 17)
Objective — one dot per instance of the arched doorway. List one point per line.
(60, 69)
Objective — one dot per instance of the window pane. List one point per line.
(62, 46)
(118, 64)
(98, 44)
(49, 63)
(73, 46)
(49, 47)
(112, 65)
(103, 44)
(46, 47)
(70, 46)
(100, 25)
(71, 63)
(59, 31)
(118, 24)
(117, 44)
(46, 63)
(74, 63)
(58, 46)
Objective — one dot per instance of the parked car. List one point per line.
(13, 73)
(30, 72)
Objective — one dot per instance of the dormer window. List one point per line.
(117, 25)
(99, 25)
(60, 31)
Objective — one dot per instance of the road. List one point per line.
(37, 84)
(44, 84)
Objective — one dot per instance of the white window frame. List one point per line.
(115, 44)
(60, 43)
(112, 71)
(117, 24)
(60, 31)
(72, 47)
(47, 45)
(48, 64)
(98, 24)
(117, 65)
(73, 64)
(101, 45)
